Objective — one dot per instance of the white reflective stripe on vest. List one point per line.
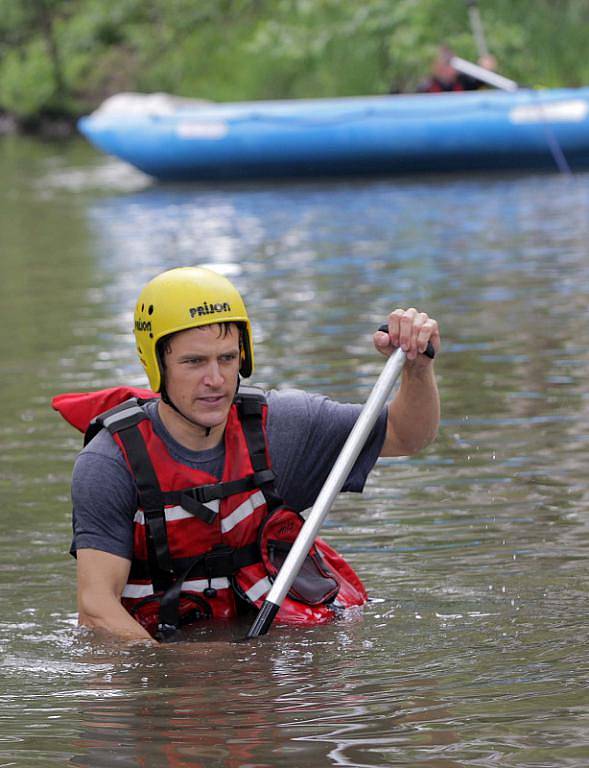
(176, 513)
(136, 591)
(199, 585)
(244, 510)
(132, 410)
(259, 589)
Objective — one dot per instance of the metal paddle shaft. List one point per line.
(485, 75)
(477, 27)
(331, 487)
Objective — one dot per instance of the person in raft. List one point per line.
(187, 497)
(444, 77)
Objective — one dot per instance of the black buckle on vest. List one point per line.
(192, 501)
(208, 493)
(191, 498)
(219, 561)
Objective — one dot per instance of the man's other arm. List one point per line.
(101, 580)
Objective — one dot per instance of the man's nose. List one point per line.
(213, 376)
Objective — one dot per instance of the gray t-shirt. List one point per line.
(305, 436)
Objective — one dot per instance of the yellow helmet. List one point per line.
(182, 298)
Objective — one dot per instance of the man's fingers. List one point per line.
(400, 323)
(427, 332)
(411, 330)
(407, 335)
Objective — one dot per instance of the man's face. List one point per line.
(201, 370)
(445, 72)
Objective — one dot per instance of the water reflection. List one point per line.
(236, 705)
(194, 705)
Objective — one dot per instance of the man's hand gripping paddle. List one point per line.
(332, 486)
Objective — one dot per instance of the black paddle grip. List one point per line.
(429, 350)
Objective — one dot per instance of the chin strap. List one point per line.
(166, 399)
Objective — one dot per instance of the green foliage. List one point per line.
(68, 55)
(26, 82)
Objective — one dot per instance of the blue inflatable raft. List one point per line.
(180, 139)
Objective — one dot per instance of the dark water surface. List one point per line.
(474, 652)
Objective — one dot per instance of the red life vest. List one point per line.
(435, 86)
(204, 547)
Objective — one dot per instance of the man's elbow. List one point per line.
(92, 620)
(412, 447)
(93, 609)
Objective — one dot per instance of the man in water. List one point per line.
(184, 505)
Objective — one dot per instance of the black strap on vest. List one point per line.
(218, 563)
(123, 420)
(194, 500)
(221, 561)
(124, 414)
(249, 405)
(151, 500)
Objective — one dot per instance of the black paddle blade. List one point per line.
(263, 620)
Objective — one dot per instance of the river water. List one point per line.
(473, 651)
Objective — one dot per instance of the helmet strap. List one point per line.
(166, 399)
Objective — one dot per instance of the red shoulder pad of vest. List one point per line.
(79, 408)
